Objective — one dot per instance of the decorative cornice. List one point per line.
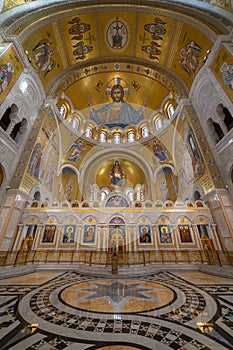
(155, 68)
(203, 12)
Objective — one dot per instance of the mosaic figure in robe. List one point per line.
(117, 112)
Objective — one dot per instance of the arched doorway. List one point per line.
(117, 240)
(196, 195)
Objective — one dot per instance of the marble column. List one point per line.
(18, 240)
(197, 236)
(175, 233)
(154, 230)
(213, 228)
(14, 121)
(10, 216)
(38, 235)
(221, 207)
(222, 124)
(58, 238)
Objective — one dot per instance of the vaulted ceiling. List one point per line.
(80, 48)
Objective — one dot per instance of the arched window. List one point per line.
(212, 132)
(21, 131)
(158, 123)
(196, 195)
(63, 110)
(5, 120)
(15, 130)
(170, 110)
(228, 120)
(102, 137)
(145, 132)
(131, 136)
(116, 138)
(88, 132)
(103, 195)
(130, 194)
(218, 130)
(74, 123)
(37, 196)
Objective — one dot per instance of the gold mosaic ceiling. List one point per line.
(153, 48)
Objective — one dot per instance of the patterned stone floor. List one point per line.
(69, 310)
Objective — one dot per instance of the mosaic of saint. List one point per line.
(189, 58)
(118, 112)
(6, 71)
(226, 71)
(117, 35)
(43, 57)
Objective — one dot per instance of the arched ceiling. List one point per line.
(153, 48)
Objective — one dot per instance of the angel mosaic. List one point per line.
(76, 147)
(189, 58)
(43, 56)
(159, 151)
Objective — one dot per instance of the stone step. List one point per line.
(13, 271)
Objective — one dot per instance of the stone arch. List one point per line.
(35, 192)
(224, 116)
(209, 101)
(168, 186)
(117, 234)
(104, 192)
(196, 195)
(197, 192)
(144, 219)
(164, 219)
(69, 187)
(15, 126)
(37, 195)
(182, 218)
(202, 219)
(31, 220)
(88, 171)
(72, 219)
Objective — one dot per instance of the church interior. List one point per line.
(116, 174)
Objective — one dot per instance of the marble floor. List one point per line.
(72, 310)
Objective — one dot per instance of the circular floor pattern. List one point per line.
(54, 309)
(111, 296)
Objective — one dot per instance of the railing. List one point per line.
(104, 258)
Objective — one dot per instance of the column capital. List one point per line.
(215, 194)
(22, 194)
